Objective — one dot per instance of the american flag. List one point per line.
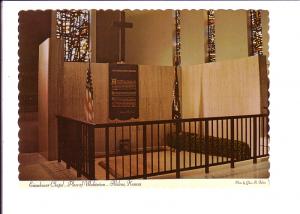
(176, 102)
(89, 96)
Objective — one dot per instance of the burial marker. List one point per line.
(123, 91)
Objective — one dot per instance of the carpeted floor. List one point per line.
(33, 166)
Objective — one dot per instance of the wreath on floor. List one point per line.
(216, 146)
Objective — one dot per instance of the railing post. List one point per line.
(107, 153)
(254, 140)
(79, 148)
(206, 148)
(67, 143)
(268, 128)
(144, 152)
(177, 146)
(232, 143)
(91, 145)
(59, 139)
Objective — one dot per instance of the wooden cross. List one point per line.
(122, 25)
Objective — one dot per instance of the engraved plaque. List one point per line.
(123, 91)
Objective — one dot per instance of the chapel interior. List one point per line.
(146, 38)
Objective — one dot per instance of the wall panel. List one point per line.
(49, 74)
(150, 40)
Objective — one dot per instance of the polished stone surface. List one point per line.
(134, 166)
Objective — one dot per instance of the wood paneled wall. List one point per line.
(230, 87)
(264, 84)
(43, 97)
(155, 91)
(49, 74)
(191, 90)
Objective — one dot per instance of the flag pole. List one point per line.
(176, 110)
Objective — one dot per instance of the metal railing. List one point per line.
(148, 148)
(76, 146)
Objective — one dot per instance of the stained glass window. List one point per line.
(73, 27)
(255, 33)
(211, 49)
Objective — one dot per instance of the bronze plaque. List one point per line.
(123, 91)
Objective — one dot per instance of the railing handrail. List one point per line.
(149, 122)
(76, 120)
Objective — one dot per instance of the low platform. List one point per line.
(125, 166)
